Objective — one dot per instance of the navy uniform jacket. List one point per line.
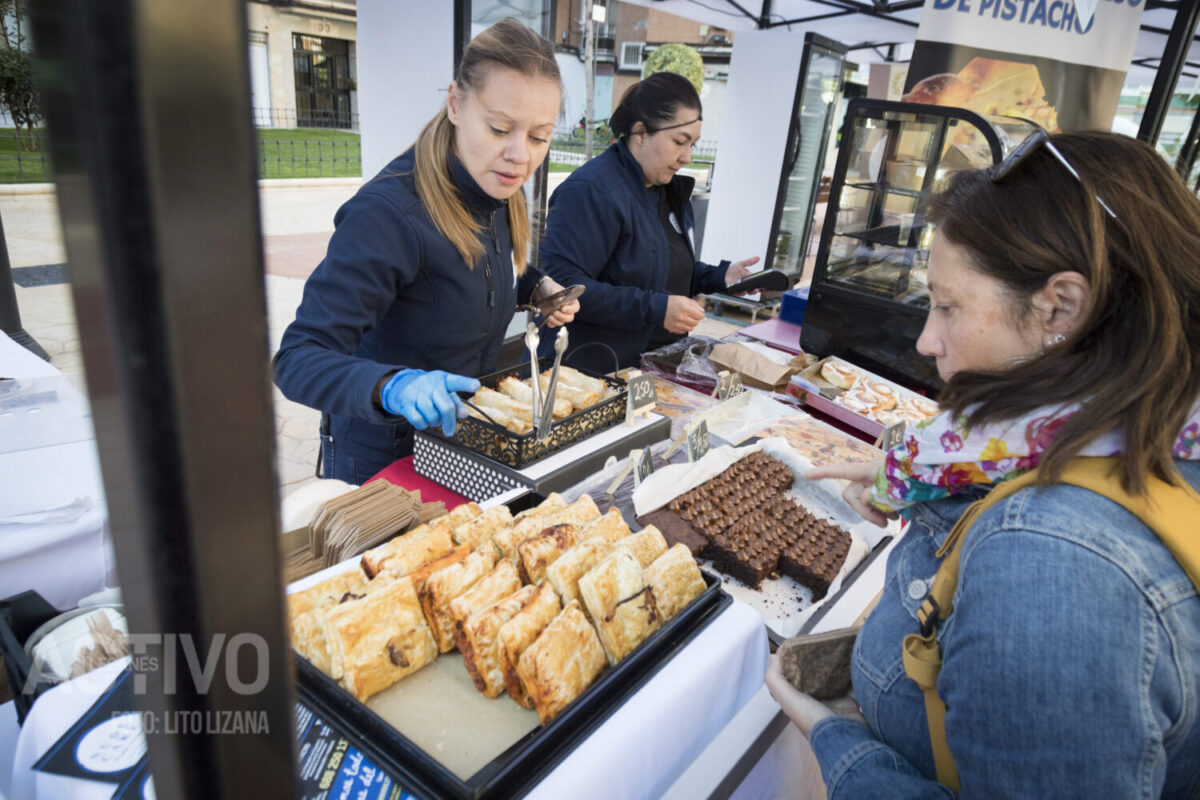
(603, 231)
(393, 293)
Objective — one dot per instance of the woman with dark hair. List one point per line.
(426, 264)
(1045, 641)
(621, 225)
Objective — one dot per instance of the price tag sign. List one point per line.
(729, 384)
(697, 440)
(642, 396)
(890, 436)
(643, 465)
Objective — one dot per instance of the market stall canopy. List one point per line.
(869, 29)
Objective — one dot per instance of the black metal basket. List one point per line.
(519, 450)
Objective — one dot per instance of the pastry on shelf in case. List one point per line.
(647, 544)
(540, 551)
(497, 584)
(564, 573)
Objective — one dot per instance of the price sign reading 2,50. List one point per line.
(642, 395)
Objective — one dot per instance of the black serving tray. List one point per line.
(518, 768)
(20, 616)
(518, 450)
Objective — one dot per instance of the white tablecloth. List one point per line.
(639, 751)
(53, 522)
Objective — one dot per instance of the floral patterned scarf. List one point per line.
(942, 456)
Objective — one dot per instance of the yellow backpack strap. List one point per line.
(922, 654)
(1170, 511)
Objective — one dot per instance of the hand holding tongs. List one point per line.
(560, 347)
(546, 307)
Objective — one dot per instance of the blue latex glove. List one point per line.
(427, 398)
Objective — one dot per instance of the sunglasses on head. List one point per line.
(1030, 145)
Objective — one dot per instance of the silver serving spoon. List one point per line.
(560, 347)
(532, 340)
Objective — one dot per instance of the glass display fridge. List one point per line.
(869, 296)
(817, 94)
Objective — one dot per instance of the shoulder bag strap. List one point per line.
(1170, 511)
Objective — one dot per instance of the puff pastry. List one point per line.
(564, 660)
(647, 544)
(376, 641)
(520, 632)
(308, 638)
(675, 580)
(481, 649)
(610, 527)
(478, 531)
(326, 593)
(528, 523)
(540, 551)
(410, 550)
(497, 584)
(422, 573)
(564, 574)
(446, 584)
(619, 602)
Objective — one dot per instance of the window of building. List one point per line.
(323, 81)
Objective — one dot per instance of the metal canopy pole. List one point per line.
(147, 107)
(10, 314)
(1174, 56)
(1187, 150)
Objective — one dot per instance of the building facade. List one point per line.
(303, 63)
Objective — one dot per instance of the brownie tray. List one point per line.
(527, 760)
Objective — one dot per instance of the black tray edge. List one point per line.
(544, 747)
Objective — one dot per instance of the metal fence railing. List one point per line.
(572, 150)
(287, 158)
(24, 157)
(304, 118)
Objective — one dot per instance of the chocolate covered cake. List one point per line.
(815, 554)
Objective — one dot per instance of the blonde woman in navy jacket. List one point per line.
(621, 225)
(427, 264)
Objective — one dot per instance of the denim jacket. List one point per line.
(1071, 660)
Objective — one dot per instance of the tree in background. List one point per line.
(678, 58)
(17, 91)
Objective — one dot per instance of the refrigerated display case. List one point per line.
(869, 295)
(817, 94)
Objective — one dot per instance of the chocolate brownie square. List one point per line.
(675, 529)
(815, 555)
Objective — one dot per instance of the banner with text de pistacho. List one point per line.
(1043, 60)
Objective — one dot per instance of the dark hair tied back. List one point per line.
(654, 102)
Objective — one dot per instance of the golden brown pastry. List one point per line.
(422, 573)
(326, 593)
(480, 649)
(610, 527)
(496, 585)
(564, 574)
(507, 421)
(478, 531)
(564, 660)
(528, 523)
(376, 641)
(410, 550)
(675, 580)
(838, 374)
(647, 544)
(519, 632)
(619, 603)
(308, 638)
(540, 551)
(446, 584)
(519, 397)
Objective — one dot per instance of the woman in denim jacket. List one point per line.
(1065, 319)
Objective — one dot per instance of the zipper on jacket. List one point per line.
(487, 263)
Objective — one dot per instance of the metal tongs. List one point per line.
(560, 347)
(532, 340)
(546, 307)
